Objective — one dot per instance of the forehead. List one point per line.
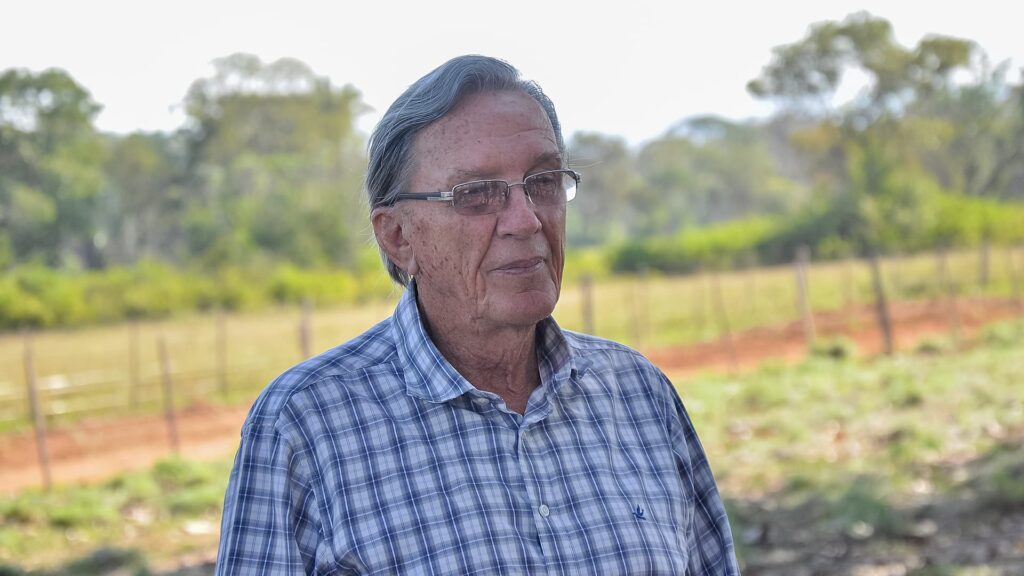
(485, 134)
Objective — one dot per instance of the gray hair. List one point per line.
(427, 100)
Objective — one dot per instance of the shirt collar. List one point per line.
(429, 376)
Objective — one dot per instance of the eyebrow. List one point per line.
(460, 176)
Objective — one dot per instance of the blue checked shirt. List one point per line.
(377, 457)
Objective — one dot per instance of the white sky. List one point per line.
(633, 68)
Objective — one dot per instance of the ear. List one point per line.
(391, 230)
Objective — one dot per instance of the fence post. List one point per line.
(587, 298)
(135, 382)
(723, 321)
(947, 286)
(983, 267)
(881, 304)
(38, 422)
(168, 386)
(803, 259)
(1015, 279)
(306, 330)
(849, 294)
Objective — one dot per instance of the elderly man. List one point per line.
(468, 433)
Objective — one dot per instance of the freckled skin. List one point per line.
(483, 281)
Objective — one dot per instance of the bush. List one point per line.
(39, 297)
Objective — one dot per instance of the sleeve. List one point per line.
(709, 538)
(271, 523)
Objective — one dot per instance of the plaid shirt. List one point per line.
(377, 457)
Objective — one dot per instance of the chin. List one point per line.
(527, 308)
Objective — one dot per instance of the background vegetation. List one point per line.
(257, 198)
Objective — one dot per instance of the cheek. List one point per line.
(453, 251)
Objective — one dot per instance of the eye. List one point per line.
(546, 187)
(480, 197)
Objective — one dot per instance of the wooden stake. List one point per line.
(803, 259)
(752, 289)
(952, 313)
(849, 294)
(723, 321)
(168, 386)
(1015, 279)
(881, 305)
(38, 422)
(306, 330)
(135, 382)
(983, 267)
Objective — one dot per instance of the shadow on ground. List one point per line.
(962, 518)
(109, 562)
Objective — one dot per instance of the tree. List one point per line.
(50, 168)
(275, 164)
(865, 147)
(142, 204)
(707, 170)
(603, 209)
(877, 196)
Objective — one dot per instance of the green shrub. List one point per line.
(78, 508)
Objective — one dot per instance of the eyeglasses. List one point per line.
(550, 188)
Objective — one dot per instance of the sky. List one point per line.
(630, 68)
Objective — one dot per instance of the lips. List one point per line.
(521, 266)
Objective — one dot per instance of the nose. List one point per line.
(519, 218)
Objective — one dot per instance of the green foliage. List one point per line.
(153, 509)
(51, 159)
(290, 285)
(717, 247)
(40, 297)
(932, 218)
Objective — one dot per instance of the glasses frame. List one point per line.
(449, 195)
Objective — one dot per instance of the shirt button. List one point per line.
(544, 510)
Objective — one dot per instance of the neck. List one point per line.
(499, 360)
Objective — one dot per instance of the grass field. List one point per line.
(112, 370)
(829, 467)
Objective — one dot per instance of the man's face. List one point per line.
(497, 270)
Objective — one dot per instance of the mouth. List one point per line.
(524, 266)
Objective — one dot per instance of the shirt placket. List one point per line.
(537, 465)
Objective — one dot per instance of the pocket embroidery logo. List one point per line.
(638, 513)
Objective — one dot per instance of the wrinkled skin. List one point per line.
(483, 281)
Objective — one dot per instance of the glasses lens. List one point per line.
(484, 197)
(552, 188)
